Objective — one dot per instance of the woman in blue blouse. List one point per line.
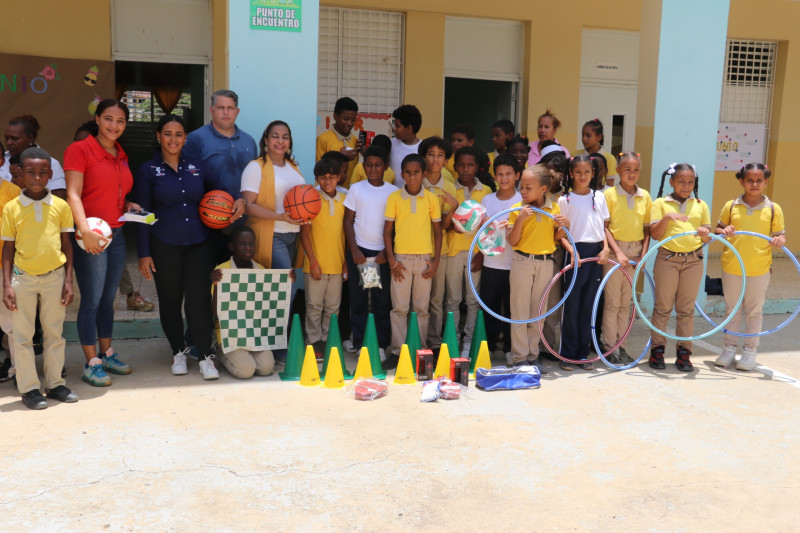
(179, 249)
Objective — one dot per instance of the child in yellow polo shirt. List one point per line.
(8, 191)
(628, 235)
(415, 216)
(36, 248)
(752, 211)
(461, 137)
(436, 151)
(340, 137)
(533, 237)
(502, 134)
(678, 269)
(467, 188)
(324, 267)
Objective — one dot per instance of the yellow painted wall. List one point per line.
(424, 79)
(219, 50)
(77, 29)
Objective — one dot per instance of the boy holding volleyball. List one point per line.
(324, 267)
(37, 268)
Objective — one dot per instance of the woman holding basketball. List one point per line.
(265, 182)
(98, 179)
(179, 250)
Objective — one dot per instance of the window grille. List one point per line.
(360, 56)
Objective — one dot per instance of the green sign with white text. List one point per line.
(279, 15)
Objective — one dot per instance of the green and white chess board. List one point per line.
(253, 309)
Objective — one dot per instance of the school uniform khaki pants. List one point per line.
(755, 292)
(243, 364)
(7, 325)
(677, 279)
(528, 280)
(617, 295)
(46, 290)
(436, 306)
(551, 330)
(458, 289)
(413, 293)
(323, 297)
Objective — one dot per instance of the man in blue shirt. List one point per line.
(222, 148)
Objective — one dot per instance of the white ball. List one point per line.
(97, 225)
(469, 216)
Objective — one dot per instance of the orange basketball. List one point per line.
(302, 202)
(216, 208)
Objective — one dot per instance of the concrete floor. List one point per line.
(602, 451)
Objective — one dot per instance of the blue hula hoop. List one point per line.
(472, 283)
(653, 250)
(594, 317)
(773, 330)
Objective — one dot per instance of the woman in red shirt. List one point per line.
(98, 179)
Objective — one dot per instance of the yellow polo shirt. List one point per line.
(36, 226)
(450, 165)
(538, 231)
(441, 186)
(331, 141)
(360, 175)
(327, 235)
(630, 213)
(696, 210)
(8, 191)
(458, 242)
(765, 218)
(413, 217)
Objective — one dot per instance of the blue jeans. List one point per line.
(283, 246)
(98, 278)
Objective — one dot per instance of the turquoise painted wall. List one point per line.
(275, 75)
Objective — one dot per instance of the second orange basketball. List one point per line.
(302, 202)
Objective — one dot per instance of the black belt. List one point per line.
(543, 257)
(682, 254)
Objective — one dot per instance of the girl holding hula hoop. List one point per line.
(752, 211)
(628, 235)
(587, 209)
(533, 237)
(678, 268)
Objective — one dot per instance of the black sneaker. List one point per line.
(682, 362)
(34, 400)
(62, 394)
(614, 358)
(390, 363)
(624, 357)
(657, 358)
(5, 366)
(566, 366)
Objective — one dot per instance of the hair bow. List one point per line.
(671, 169)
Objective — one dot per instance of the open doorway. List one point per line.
(151, 90)
(478, 103)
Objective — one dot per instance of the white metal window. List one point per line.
(748, 82)
(360, 56)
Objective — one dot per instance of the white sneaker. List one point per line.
(348, 346)
(748, 359)
(509, 359)
(207, 368)
(382, 353)
(728, 356)
(179, 367)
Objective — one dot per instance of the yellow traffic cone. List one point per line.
(364, 367)
(484, 361)
(443, 365)
(309, 377)
(404, 375)
(334, 377)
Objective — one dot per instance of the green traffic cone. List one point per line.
(450, 338)
(334, 341)
(478, 336)
(371, 342)
(412, 339)
(294, 359)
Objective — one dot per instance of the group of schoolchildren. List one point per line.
(395, 210)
